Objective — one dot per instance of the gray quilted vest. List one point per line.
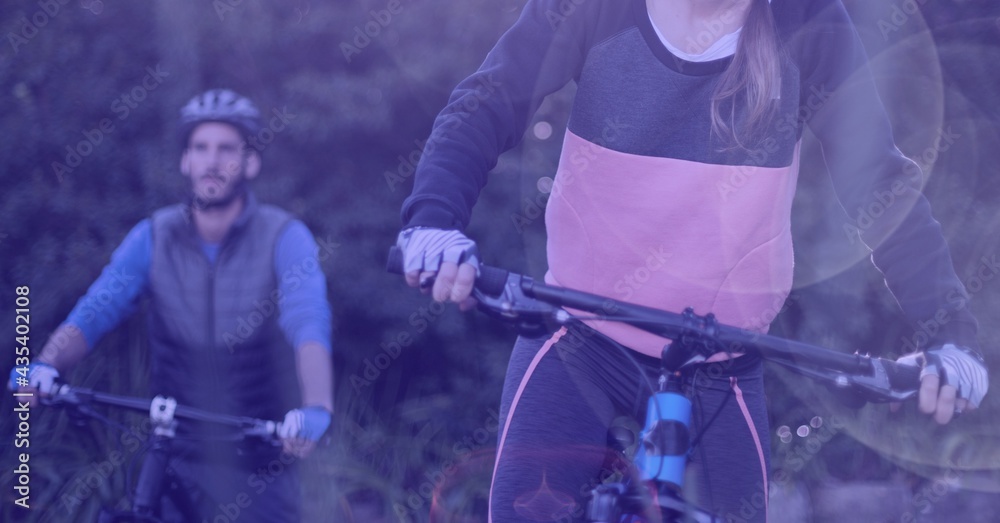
(214, 334)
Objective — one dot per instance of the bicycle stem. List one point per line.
(666, 440)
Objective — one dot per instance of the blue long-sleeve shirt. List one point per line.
(305, 313)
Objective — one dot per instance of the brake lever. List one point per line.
(76, 402)
(877, 385)
(63, 395)
(871, 389)
(530, 317)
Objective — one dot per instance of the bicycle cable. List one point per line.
(89, 411)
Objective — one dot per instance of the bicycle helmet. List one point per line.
(219, 105)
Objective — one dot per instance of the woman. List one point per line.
(680, 157)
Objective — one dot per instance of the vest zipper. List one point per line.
(211, 306)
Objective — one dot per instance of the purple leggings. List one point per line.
(561, 397)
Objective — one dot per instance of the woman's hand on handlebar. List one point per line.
(452, 282)
(952, 380)
(441, 262)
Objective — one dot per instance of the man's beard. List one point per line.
(204, 204)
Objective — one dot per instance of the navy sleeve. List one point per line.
(113, 294)
(878, 187)
(305, 312)
(489, 111)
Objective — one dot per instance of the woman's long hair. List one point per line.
(754, 76)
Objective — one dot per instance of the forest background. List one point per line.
(357, 84)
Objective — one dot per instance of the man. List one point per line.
(230, 284)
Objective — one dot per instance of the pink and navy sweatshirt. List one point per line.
(649, 207)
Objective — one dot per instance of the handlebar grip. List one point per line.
(491, 280)
(902, 377)
(395, 262)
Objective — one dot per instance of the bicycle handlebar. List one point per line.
(163, 411)
(521, 300)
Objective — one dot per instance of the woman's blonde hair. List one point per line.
(754, 75)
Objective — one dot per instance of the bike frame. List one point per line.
(165, 414)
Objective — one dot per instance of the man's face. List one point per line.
(218, 163)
